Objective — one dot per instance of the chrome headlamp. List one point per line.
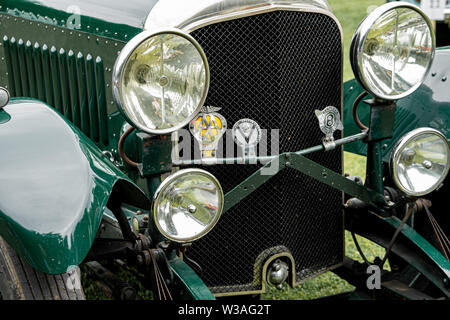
(420, 161)
(187, 205)
(392, 50)
(161, 80)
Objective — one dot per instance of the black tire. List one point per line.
(20, 281)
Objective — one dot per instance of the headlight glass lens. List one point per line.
(187, 205)
(420, 162)
(393, 56)
(164, 82)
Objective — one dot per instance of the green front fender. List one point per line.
(54, 187)
(428, 106)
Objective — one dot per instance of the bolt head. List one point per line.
(192, 208)
(427, 164)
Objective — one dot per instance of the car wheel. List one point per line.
(20, 281)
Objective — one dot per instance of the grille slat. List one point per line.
(83, 98)
(38, 71)
(101, 100)
(47, 80)
(55, 79)
(275, 68)
(22, 67)
(30, 69)
(71, 83)
(73, 89)
(90, 82)
(15, 67)
(64, 81)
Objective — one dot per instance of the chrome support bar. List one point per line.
(265, 159)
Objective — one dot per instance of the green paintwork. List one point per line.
(156, 154)
(4, 116)
(115, 19)
(54, 186)
(190, 280)
(428, 106)
(381, 127)
(374, 167)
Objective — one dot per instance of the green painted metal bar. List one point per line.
(7, 49)
(191, 282)
(64, 80)
(427, 248)
(47, 77)
(92, 99)
(73, 88)
(311, 169)
(83, 99)
(257, 179)
(30, 69)
(101, 101)
(39, 77)
(23, 68)
(336, 180)
(57, 99)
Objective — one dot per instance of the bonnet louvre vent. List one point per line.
(73, 84)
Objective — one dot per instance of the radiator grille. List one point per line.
(71, 83)
(275, 68)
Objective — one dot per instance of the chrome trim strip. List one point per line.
(190, 15)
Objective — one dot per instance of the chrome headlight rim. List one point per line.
(398, 147)
(359, 38)
(122, 60)
(168, 181)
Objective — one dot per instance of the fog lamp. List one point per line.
(187, 205)
(161, 80)
(392, 50)
(420, 161)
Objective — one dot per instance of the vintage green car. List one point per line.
(198, 145)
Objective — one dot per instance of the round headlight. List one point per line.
(392, 50)
(187, 205)
(161, 81)
(420, 161)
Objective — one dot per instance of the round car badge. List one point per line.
(247, 135)
(329, 120)
(207, 128)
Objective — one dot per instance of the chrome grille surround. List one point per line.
(248, 253)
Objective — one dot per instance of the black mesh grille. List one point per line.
(275, 68)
